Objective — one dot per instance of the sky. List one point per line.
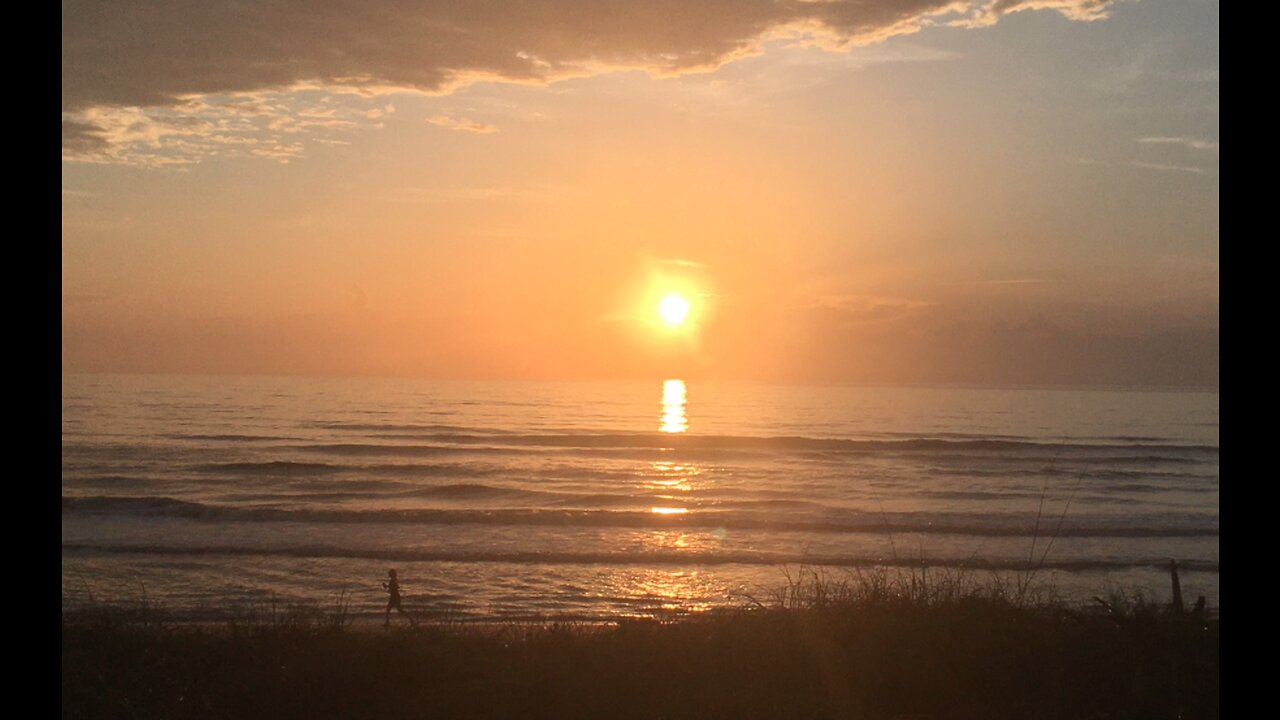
(1018, 192)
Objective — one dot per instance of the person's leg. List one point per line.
(402, 612)
(387, 622)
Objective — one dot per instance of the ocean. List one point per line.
(222, 497)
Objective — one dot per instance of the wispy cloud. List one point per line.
(989, 13)
(1150, 62)
(1163, 167)
(490, 192)
(273, 126)
(1169, 168)
(1012, 281)
(683, 263)
(462, 124)
(1188, 142)
(866, 308)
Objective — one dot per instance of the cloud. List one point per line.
(999, 282)
(463, 124)
(861, 309)
(990, 13)
(1169, 168)
(1192, 143)
(160, 54)
(1163, 167)
(265, 125)
(678, 262)
(82, 138)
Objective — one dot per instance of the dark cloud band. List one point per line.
(162, 53)
(152, 52)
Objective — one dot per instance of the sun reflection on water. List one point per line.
(665, 592)
(669, 476)
(674, 419)
(677, 540)
(667, 482)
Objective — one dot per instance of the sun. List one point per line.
(673, 309)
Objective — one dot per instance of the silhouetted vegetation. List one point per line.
(871, 645)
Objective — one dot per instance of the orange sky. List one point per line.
(968, 198)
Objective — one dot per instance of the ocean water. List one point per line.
(218, 496)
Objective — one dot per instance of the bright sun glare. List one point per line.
(673, 309)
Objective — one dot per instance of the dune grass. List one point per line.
(863, 645)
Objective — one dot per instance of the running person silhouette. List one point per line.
(392, 586)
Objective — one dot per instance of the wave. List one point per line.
(115, 481)
(230, 437)
(410, 450)
(453, 491)
(982, 454)
(401, 428)
(291, 467)
(270, 467)
(654, 557)
(463, 434)
(794, 442)
(846, 522)
(457, 453)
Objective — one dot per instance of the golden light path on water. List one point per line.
(664, 591)
(672, 476)
(672, 590)
(666, 476)
(674, 419)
